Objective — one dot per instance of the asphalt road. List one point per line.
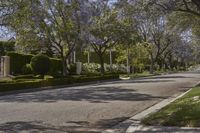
(89, 108)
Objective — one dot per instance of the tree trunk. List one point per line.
(111, 60)
(64, 66)
(152, 65)
(127, 62)
(88, 57)
(102, 64)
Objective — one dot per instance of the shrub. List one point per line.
(40, 64)
(35, 83)
(17, 61)
(56, 66)
(26, 69)
(72, 69)
(91, 68)
(115, 68)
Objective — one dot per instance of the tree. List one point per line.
(186, 6)
(55, 24)
(138, 56)
(186, 11)
(6, 46)
(131, 37)
(104, 31)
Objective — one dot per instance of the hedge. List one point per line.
(19, 60)
(56, 66)
(29, 84)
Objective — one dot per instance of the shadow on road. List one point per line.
(92, 94)
(19, 126)
(69, 127)
(168, 77)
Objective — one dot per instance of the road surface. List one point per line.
(89, 108)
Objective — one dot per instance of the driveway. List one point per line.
(89, 108)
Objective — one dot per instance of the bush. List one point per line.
(17, 61)
(26, 69)
(40, 64)
(91, 68)
(56, 66)
(72, 69)
(28, 84)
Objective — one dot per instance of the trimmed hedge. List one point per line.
(56, 66)
(18, 61)
(29, 84)
(40, 64)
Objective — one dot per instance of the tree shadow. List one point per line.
(68, 127)
(107, 123)
(95, 94)
(168, 77)
(30, 127)
(151, 81)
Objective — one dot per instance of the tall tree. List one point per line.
(186, 6)
(56, 23)
(104, 30)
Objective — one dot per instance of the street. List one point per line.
(88, 108)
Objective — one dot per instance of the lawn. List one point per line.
(184, 112)
(136, 75)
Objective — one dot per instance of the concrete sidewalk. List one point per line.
(133, 125)
(157, 129)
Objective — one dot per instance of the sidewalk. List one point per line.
(133, 124)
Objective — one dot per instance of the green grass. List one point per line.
(184, 112)
(136, 75)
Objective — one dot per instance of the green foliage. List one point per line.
(183, 112)
(40, 64)
(26, 69)
(83, 57)
(89, 68)
(18, 61)
(6, 46)
(35, 83)
(72, 69)
(56, 66)
(138, 56)
(26, 76)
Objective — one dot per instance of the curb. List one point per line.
(57, 87)
(99, 82)
(133, 123)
